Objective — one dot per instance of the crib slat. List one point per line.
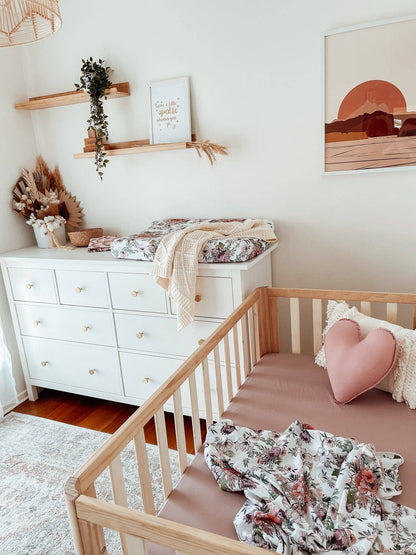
(162, 441)
(366, 308)
(117, 482)
(144, 473)
(414, 318)
(274, 324)
(218, 381)
(246, 344)
(130, 544)
(252, 333)
(391, 313)
(237, 356)
(92, 535)
(207, 392)
(295, 325)
(230, 393)
(196, 426)
(135, 546)
(317, 324)
(180, 430)
(259, 347)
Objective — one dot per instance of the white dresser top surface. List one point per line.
(34, 254)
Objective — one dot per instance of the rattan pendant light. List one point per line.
(24, 21)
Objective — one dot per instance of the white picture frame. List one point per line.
(328, 36)
(170, 111)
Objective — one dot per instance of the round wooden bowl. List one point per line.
(82, 237)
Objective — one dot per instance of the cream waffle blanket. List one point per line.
(175, 265)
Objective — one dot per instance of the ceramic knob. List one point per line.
(85, 328)
(92, 372)
(44, 362)
(36, 322)
(146, 380)
(198, 298)
(78, 289)
(139, 335)
(134, 293)
(29, 285)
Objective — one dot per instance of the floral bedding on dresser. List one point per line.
(309, 491)
(143, 246)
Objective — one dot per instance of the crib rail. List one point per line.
(366, 301)
(184, 539)
(223, 361)
(218, 368)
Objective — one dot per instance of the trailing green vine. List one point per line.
(95, 80)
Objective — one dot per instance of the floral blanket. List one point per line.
(143, 246)
(309, 491)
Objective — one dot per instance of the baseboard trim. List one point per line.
(22, 396)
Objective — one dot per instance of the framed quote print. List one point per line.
(170, 111)
(370, 97)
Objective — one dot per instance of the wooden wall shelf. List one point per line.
(118, 90)
(137, 147)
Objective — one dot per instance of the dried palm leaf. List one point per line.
(209, 149)
(72, 210)
(18, 190)
(32, 190)
(46, 179)
(41, 166)
(57, 180)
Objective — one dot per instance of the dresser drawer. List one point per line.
(159, 335)
(213, 296)
(84, 326)
(144, 374)
(82, 288)
(137, 292)
(92, 368)
(29, 284)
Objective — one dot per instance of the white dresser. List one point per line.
(91, 324)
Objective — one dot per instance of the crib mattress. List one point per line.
(143, 245)
(283, 388)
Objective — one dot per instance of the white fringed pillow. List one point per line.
(401, 381)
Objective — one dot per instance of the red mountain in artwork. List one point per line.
(377, 124)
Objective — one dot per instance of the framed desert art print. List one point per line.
(170, 111)
(370, 97)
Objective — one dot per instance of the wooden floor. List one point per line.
(97, 414)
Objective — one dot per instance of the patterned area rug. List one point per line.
(37, 456)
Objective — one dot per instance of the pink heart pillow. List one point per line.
(355, 366)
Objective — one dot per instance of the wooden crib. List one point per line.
(250, 332)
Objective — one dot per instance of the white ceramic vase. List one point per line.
(43, 240)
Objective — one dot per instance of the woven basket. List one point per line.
(82, 237)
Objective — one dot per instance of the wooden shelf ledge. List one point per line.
(118, 90)
(137, 148)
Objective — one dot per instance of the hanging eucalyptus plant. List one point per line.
(95, 80)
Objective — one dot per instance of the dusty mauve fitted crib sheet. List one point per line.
(283, 388)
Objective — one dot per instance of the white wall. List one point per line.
(17, 150)
(255, 68)
(256, 87)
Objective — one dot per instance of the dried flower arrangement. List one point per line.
(41, 198)
(209, 149)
